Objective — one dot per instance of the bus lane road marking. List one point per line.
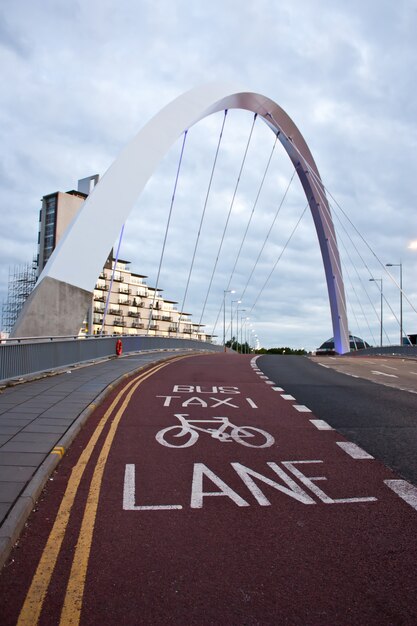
(185, 432)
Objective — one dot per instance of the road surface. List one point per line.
(204, 492)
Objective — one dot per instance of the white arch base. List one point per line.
(123, 183)
(54, 309)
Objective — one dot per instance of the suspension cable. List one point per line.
(112, 280)
(353, 287)
(201, 220)
(253, 210)
(228, 216)
(279, 257)
(325, 189)
(327, 210)
(166, 231)
(277, 212)
(262, 247)
(264, 243)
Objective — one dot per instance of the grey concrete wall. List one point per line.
(53, 309)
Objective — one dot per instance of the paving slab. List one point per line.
(41, 428)
(9, 491)
(23, 459)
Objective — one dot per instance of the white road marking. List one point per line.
(415, 373)
(251, 403)
(405, 490)
(197, 492)
(287, 396)
(383, 374)
(301, 408)
(353, 450)
(277, 388)
(321, 425)
(269, 382)
(389, 367)
(264, 377)
(310, 480)
(322, 365)
(129, 495)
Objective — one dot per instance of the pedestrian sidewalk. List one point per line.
(37, 416)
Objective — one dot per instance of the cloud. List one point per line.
(83, 77)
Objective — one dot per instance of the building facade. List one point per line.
(124, 304)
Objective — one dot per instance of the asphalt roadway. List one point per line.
(372, 401)
(204, 490)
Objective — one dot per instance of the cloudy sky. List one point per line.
(79, 80)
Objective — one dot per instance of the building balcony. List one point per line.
(156, 317)
(137, 325)
(113, 311)
(125, 290)
(154, 327)
(118, 279)
(101, 287)
(166, 318)
(133, 314)
(125, 302)
(98, 309)
(97, 319)
(172, 329)
(99, 299)
(118, 321)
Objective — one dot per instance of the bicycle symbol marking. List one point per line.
(186, 433)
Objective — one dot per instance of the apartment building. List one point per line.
(124, 304)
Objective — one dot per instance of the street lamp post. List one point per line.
(241, 331)
(237, 326)
(400, 265)
(231, 320)
(379, 280)
(225, 291)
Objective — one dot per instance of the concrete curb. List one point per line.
(18, 515)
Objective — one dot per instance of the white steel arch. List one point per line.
(63, 293)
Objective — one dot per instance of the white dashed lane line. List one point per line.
(301, 408)
(353, 450)
(404, 490)
(321, 425)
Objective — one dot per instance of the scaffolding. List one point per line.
(22, 279)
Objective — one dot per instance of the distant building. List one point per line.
(355, 343)
(57, 211)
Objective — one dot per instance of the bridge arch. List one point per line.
(63, 292)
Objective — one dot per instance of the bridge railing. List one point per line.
(406, 351)
(20, 357)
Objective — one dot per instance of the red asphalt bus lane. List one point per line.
(210, 497)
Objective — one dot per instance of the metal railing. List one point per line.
(406, 351)
(30, 355)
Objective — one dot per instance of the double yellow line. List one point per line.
(72, 606)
